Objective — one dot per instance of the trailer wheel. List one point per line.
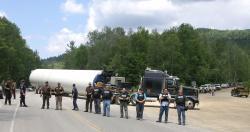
(190, 104)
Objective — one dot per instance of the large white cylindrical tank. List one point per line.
(66, 77)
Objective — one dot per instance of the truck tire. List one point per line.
(190, 104)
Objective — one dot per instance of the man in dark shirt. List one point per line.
(22, 94)
(96, 94)
(75, 96)
(107, 97)
(180, 100)
(124, 98)
(89, 100)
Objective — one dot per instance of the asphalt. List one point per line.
(33, 119)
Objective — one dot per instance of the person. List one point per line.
(46, 94)
(58, 95)
(96, 94)
(180, 100)
(140, 100)
(89, 100)
(124, 98)
(106, 97)
(164, 99)
(7, 91)
(13, 89)
(22, 94)
(212, 91)
(75, 96)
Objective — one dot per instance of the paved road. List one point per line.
(19, 119)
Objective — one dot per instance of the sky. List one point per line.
(49, 25)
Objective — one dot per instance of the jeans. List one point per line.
(7, 97)
(97, 103)
(181, 114)
(139, 110)
(22, 100)
(124, 105)
(162, 110)
(106, 107)
(75, 104)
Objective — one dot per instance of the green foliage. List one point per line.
(201, 55)
(17, 59)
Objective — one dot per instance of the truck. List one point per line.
(154, 81)
(240, 91)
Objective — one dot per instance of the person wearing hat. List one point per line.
(7, 90)
(89, 100)
(96, 94)
(45, 94)
(180, 100)
(58, 95)
(22, 94)
(164, 99)
(106, 97)
(140, 100)
(124, 98)
(75, 96)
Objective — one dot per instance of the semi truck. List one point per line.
(154, 81)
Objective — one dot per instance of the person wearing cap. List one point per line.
(124, 98)
(106, 97)
(89, 100)
(45, 94)
(22, 94)
(58, 95)
(75, 96)
(140, 98)
(180, 100)
(164, 99)
(96, 94)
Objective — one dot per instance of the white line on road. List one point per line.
(13, 120)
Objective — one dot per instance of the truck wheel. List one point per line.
(190, 104)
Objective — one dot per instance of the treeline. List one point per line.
(17, 59)
(200, 55)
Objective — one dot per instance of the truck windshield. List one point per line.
(152, 87)
(189, 92)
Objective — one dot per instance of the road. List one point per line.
(20, 119)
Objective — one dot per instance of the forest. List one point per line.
(201, 55)
(16, 58)
(193, 54)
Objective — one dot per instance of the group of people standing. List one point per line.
(9, 90)
(103, 93)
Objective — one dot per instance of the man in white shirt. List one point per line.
(164, 99)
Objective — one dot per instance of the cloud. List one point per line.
(58, 42)
(3, 14)
(71, 6)
(162, 14)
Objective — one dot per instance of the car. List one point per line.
(1, 92)
(217, 86)
(240, 92)
(225, 85)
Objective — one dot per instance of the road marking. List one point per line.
(85, 121)
(13, 120)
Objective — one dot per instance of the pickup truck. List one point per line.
(240, 92)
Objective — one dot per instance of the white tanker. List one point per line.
(66, 77)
